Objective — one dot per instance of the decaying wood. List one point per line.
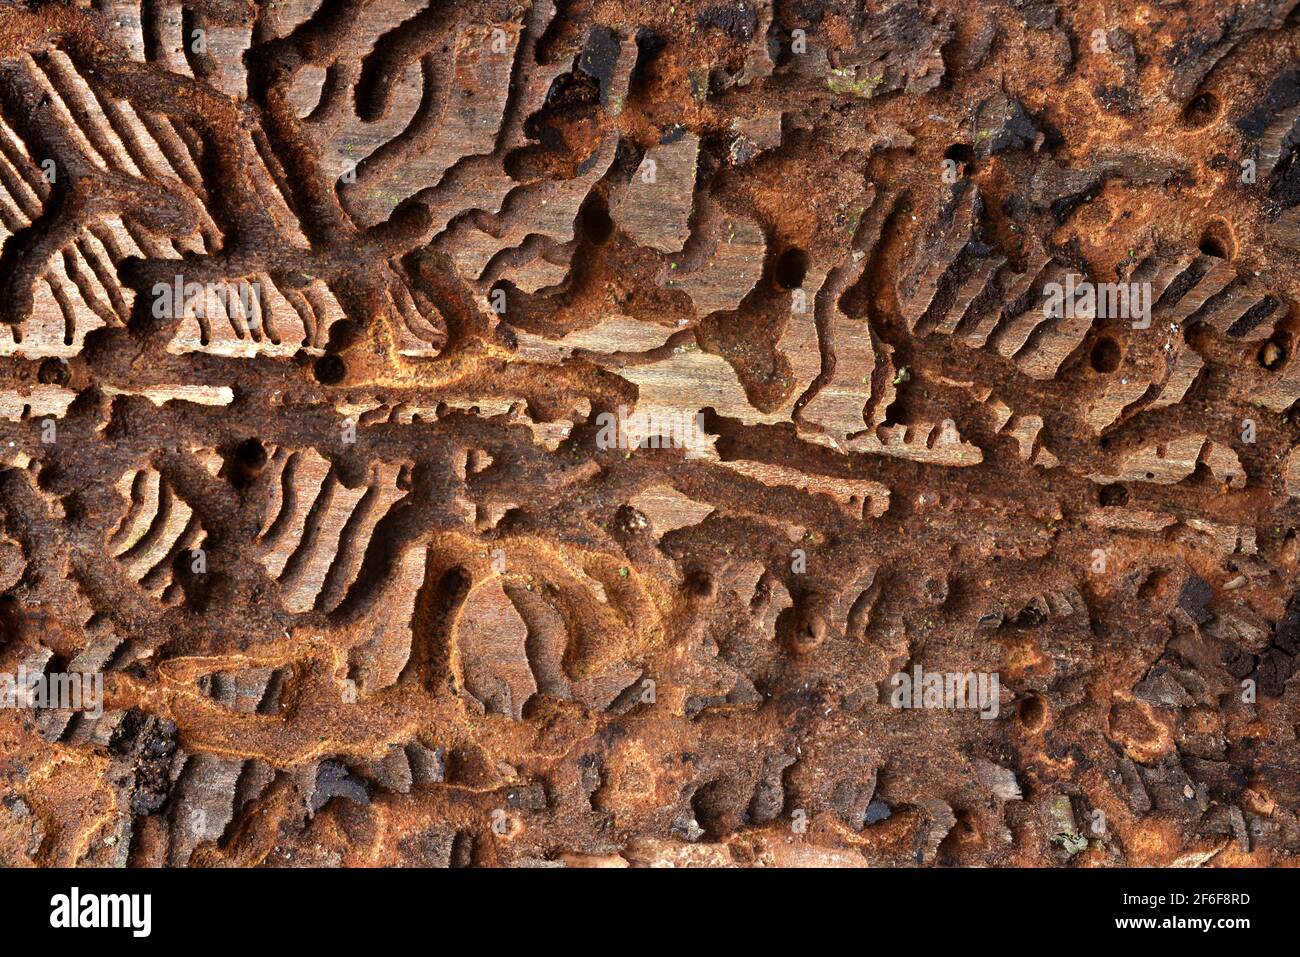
(513, 432)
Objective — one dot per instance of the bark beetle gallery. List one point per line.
(502, 432)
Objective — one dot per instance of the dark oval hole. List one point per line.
(330, 370)
(1105, 356)
(251, 454)
(344, 333)
(1216, 241)
(1202, 110)
(703, 585)
(53, 371)
(595, 221)
(1113, 495)
(1032, 712)
(961, 152)
(791, 267)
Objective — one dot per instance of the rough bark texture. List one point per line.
(367, 583)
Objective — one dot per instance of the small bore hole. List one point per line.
(1216, 241)
(963, 153)
(251, 454)
(1201, 111)
(595, 221)
(791, 267)
(703, 585)
(809, 632)
(53, 371)
(1105, 356)
(1032, 713)
(344, 333)
(330, 370)
(1113, 495)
